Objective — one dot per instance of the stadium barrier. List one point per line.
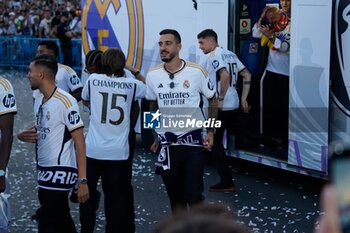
(17, 51)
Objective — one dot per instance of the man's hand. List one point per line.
(245, 106)
(208, 140)
(28, 135)
(266, 31)
(154, 146)
(83, 193)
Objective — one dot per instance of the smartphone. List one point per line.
(265, 23)
(340, 176)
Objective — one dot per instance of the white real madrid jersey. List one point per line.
(66, 79)
(110, 106)
(7, 97)
(56, 159)
(223, 58)
(178, 94)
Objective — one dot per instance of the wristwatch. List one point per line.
(2, 173)
(221, 98)
(82, 180)
(136, 72)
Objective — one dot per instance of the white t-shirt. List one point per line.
(7, 97)
(215, 61)
(180, 95)
(66, 79)
(110, 107)
(45, 23)
(56, 159)
(278, 60)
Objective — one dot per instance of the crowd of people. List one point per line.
(74, 164)
(38, 18)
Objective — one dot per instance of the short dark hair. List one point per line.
(50, 45)
(93, 58)
(47, 61)
(208, 33)
(113, 62)
(173, 32)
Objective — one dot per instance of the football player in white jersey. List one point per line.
(176, 86)
(7, 111)
(66, 78)
(111, 96)
(60, 147)
(224, 67)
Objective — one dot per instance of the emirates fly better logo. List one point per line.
(157, 120)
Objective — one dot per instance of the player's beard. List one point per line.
(169, 58)
(33, 86)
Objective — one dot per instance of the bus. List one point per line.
(319, 81)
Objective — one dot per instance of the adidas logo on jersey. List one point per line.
(160, 86)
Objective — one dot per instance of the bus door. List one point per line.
(309, 84)
(243, 15)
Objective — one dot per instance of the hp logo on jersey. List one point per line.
(9, 101)
(151, 120)
(73, 117)
(215, 64)
(74, 80)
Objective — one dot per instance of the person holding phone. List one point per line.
(276, 81)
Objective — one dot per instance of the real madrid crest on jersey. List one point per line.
(186, 84)
(100, 33)
(340, 66)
